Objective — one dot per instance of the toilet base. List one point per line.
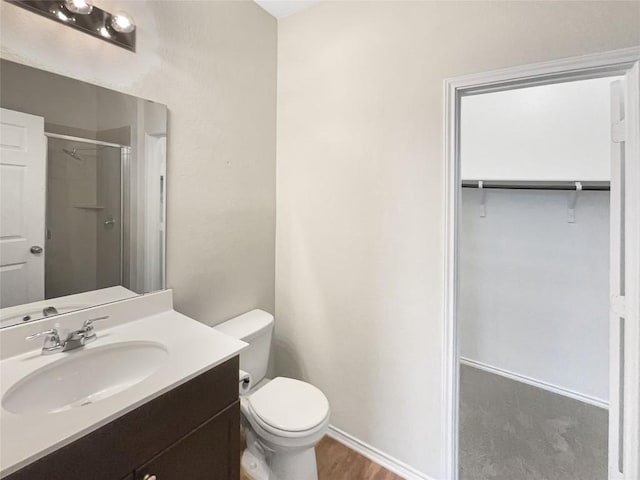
(254, 467)
(260, 463)
(294, 465)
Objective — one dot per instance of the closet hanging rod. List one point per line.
(524, 185)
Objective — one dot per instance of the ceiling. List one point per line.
(284, 8)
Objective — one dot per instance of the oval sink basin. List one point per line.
(84, 377)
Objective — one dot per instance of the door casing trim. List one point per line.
(615, 62)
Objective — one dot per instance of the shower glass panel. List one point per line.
(84, 220)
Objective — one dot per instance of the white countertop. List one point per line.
(192, 348)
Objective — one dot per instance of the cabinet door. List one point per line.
(211, 452)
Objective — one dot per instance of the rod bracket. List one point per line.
(483, 199)
(573, 200)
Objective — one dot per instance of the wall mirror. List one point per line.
(82, 194)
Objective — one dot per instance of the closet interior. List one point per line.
(534, 263)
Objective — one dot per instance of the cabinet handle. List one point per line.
(149, 477)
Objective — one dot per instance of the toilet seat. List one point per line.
(289, 407)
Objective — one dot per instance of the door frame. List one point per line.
(616, 62)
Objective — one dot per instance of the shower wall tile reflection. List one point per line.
(83, 192)
(109, 218)
(71, 236)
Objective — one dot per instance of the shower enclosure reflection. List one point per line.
(83, 216)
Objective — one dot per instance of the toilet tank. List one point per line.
(255, 328)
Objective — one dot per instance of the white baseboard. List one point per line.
(598, 402)
(375, 455)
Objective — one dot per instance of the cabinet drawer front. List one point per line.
(212, 452)
(115, 450)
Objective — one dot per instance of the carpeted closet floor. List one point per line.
(513, 431)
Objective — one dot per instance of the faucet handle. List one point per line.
(87, 327)
(89, 323)
(51, 342)
(51, 331)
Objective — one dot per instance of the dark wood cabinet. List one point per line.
(190, 432)
(204, 454)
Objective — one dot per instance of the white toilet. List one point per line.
(283, 418)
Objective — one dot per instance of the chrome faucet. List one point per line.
(75, 339)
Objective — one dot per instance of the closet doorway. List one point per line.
(542, 271)
(534, 282)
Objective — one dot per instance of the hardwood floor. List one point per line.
(338, 462)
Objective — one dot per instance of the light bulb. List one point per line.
(62, 16)
(82, 7)
(122, 22)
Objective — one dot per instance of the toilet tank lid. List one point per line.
(248, 325)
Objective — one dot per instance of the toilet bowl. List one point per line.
(283, 418)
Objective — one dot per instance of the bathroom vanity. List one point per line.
(155, 396)
(189, 432)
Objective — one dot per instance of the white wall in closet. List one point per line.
(534, 289)
(550, 132)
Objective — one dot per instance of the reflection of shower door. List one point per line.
(22, 189)
(84, 219)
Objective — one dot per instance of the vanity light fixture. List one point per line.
(104, 31)
(83, 7)
(122, 22)
(62, 16)
(118, 28)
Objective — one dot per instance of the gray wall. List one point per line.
(214, 65)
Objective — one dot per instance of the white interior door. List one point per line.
(624, 408)
(22, 207)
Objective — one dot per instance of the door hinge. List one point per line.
(618, 132)
(618, 306)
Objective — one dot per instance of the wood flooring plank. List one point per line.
(338, 462)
